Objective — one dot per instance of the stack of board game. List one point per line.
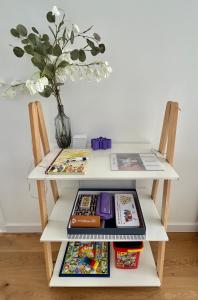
(106, 212)
(86, 259)
(69, 161)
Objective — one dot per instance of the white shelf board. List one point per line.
(99, 168)
(144, 275)
(56, 229)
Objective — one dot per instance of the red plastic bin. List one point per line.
(127, 254)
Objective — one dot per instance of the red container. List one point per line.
(127, 254)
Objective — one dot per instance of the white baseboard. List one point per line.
(29, 228)
(22, 228)
(185, 227)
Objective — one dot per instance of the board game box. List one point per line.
(86, 259)
(85, 205)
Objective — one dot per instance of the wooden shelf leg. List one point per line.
(48, 259)
(164, 219)
(54, 190)
(39, 134)
(160, 259)
(154, 190)
(44, 219)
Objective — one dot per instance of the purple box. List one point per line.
(100, 143)
(104, 206)
(95, 145)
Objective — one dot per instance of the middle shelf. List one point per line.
(56, 229)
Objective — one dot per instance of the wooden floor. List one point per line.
(22, 273)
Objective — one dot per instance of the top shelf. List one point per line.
(99, 166)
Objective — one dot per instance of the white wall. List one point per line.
(152, 47)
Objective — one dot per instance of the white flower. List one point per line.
(89, 73)
(97, 75)
(10, 92)
(55, 11)
(76, 29)
(2, 82)
(15, 82)
(41, 83)
(31, 87)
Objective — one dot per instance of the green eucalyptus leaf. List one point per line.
(95, 51)
(21, 30)
(102, 48)
(18, 51)
(72, 37)
(38, 61)
(40, 49)
(24, 41)
(64, 35)
(60, 25)
(49, 71)
(90, 43)
(82, 55)
(96, 37)
(35, 30)
(45, 37)
(57, 50)
(47, 91)
(50, 17)
(32, 38)
(63, 64)
(14, 32)
(74, 54)
(29, 49)
(48, 47)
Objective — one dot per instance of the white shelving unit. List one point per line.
(150, 271)
(99, 169)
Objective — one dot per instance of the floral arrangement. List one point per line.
(56, 58)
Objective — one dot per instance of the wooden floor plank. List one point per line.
(22, 273)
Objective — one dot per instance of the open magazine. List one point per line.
(135, 162)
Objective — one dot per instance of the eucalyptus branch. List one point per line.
(46, 52)
(87, 29)
(50, 28)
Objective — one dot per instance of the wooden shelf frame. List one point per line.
(166, 147)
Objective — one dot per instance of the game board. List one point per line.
(86, 259)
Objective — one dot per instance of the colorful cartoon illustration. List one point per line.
(86, 259)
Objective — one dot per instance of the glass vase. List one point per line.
(63, 128)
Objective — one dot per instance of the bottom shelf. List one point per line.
(145, 275)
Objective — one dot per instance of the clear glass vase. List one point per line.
(63, 128)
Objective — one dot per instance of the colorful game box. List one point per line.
(126, 212)
(86, 259)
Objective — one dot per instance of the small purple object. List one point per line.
(100, 143)
(95, 144)
(104, 206)
(104, 144)
(108, 143)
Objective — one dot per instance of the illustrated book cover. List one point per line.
(135, 162)
(69, 161)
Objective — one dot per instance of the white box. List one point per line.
(79, 141)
